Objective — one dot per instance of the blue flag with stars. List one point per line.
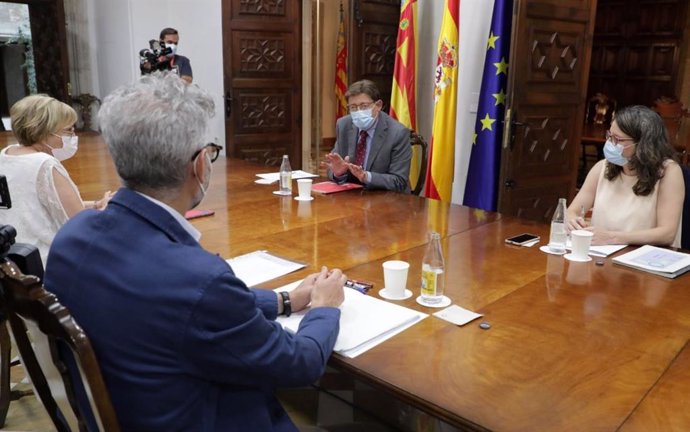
(481, 190)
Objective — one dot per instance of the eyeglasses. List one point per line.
(360, 107)
(213, 151)
(65, 131)
(615, 139)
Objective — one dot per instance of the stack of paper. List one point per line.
(275, 176)
(365, 321)
(261, 266)
(662, 262)
(601, 250)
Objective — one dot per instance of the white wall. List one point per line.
(121, 28)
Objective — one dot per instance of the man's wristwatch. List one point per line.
(287, 306)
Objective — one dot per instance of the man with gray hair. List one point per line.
(183, 344)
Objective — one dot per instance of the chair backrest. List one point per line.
(23, 298)
(416, 140)
(685, 225)
(600, 109)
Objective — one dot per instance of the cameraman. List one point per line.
(169, 39)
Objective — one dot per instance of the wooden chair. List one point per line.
(24, 299)
(685, 225)
(598, 116)
(673, 114)
(417, 140)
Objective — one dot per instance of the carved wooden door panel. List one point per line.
(262, 66)
(373, 33)
(549, 66)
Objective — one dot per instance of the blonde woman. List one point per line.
(43, 195)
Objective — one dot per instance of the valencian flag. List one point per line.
(404, 92)
(439, 177)
(341, 69)
(481, 190)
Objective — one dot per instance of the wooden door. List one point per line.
(549, 66)
(372, 34)
(262, 64)
(49, 41)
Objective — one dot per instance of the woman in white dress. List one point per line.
(43, 195)
(636, 194)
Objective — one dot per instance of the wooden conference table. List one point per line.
(572, 346)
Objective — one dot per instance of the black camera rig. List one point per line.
(155, 58)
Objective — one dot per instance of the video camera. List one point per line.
(27, 257)
(150, 56)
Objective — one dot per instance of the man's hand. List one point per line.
(336, 164)
(328, 289)
(358, 172)
(301, 296)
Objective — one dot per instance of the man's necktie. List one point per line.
(361, 150)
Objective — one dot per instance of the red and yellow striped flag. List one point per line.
(439, 177)
(341, 69)
(404, 92)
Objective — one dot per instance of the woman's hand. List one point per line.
(103, 202)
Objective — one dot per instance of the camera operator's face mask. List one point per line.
(70, 144)
(172, 46)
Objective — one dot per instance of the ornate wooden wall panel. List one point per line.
(372, 34)
(636, 49)
(262, 64)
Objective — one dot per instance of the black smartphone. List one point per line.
(522, 239)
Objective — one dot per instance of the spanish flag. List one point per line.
(404, 92)
(341, 69)
(439, 177)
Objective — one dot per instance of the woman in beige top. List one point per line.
(636, 194)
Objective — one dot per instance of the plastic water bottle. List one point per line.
(558, 228)
(285, 176)
(433, 276)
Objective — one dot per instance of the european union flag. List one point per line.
(481, 190)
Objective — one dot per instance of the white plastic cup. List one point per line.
(581, 240)
(395, 278)
(304, 188)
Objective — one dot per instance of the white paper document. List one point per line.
(457, 315)
(275, 176)
(600, 250)
(652, 259)
(365, 321)
(261, 266)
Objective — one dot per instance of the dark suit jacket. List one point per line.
(182, 343)
(389, 156)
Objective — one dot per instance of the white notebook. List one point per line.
(652, 259)
(365, 321)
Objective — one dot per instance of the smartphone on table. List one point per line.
(522, 239)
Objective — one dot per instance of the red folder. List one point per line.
(329, 187)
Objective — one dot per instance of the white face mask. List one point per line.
(363, 119)
(173, 47)
(70, 144)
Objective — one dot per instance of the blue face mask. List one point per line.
(614, 153)
(363, 119)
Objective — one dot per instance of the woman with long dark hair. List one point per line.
(636, 194)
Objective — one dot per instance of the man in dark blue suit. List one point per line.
(183, 344)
